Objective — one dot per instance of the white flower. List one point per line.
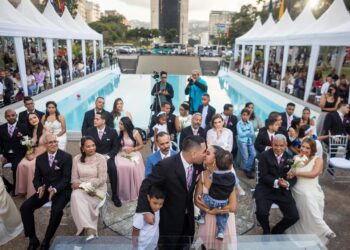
(299, 162)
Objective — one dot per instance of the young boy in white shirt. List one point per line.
(145, 236)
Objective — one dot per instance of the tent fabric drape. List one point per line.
(285, 60)
(242, 57)
(21, 63)
(95, 58)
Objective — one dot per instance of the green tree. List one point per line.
(171, 36)
(113, 29)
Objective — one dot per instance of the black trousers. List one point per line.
(113, 176)
(181, 241)
(59, 202)
(288, 209)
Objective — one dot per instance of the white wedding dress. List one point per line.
(55, 128)
(309, 199)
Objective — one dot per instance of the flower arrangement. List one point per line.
(87, 187)
(27, 141)
(299, 162)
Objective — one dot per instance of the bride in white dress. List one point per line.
(309, 197)
(55, 123)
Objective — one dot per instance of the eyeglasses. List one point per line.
(52, 142)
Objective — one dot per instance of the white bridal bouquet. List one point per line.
(299, 162)
(27, 141)
(87, 187)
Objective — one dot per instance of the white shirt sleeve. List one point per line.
(275, 184)
(138, 221)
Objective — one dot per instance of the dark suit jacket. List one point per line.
(22, 117)
(263, 139)
(109, 144)
(284, 119)
(334, 124)
(210, 114)
(89, 120)
(188, 131)
(170, 124)
(169, 97)
(8, 84)
(269, 171)
(58, 176)
(13, 143)
(170, 175)
(232, 125)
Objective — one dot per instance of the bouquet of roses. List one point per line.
(299, 162)
(87, 187)
(27, 141)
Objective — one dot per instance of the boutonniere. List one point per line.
(19, 134)
(57, 168)
(108, 139)
(104, 133)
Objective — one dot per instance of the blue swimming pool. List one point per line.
(135, 91)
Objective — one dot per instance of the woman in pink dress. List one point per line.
(206, 235)
(129, 162)
(26, 168)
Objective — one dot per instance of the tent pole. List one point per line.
(242, 58)
(50, 59)
(340, 59)
(285, 60)
(95, 60)
(70, 58)
(253, 55)
(266, 58)
(83, 52)
(315, 50)
(21, 63)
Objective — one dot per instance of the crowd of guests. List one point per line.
(39, 77)
(190, 174)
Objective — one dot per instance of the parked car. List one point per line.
(143, 51)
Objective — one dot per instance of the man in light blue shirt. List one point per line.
(195, 88)
(164, 144)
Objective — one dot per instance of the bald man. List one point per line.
(11, 134)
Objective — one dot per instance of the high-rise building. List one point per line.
(170, 14)
(219, 22)
(92, 11)
(81, 8)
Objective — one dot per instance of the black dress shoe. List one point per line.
(33, 245)
(116, 201)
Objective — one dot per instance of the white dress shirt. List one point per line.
(204, 116)
(163, 155)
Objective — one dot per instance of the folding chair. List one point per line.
(337, 166)
(175, 147)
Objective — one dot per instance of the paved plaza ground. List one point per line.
(337, 211)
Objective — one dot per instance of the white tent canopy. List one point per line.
(331, 29)
(83, 25)
(254, 30)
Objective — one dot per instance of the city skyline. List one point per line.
(198, 9)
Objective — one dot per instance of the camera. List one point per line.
(156, 75)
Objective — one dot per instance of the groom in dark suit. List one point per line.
(177, 175)
(52, 178)
(273, 187)
(89, 116)
(11, 134)
(106, 141)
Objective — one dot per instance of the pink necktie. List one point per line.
(10, 130)
(51, 158)
(189, 177)
(100, 134)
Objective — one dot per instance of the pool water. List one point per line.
(135, 91)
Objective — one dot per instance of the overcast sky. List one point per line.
(199, 9)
